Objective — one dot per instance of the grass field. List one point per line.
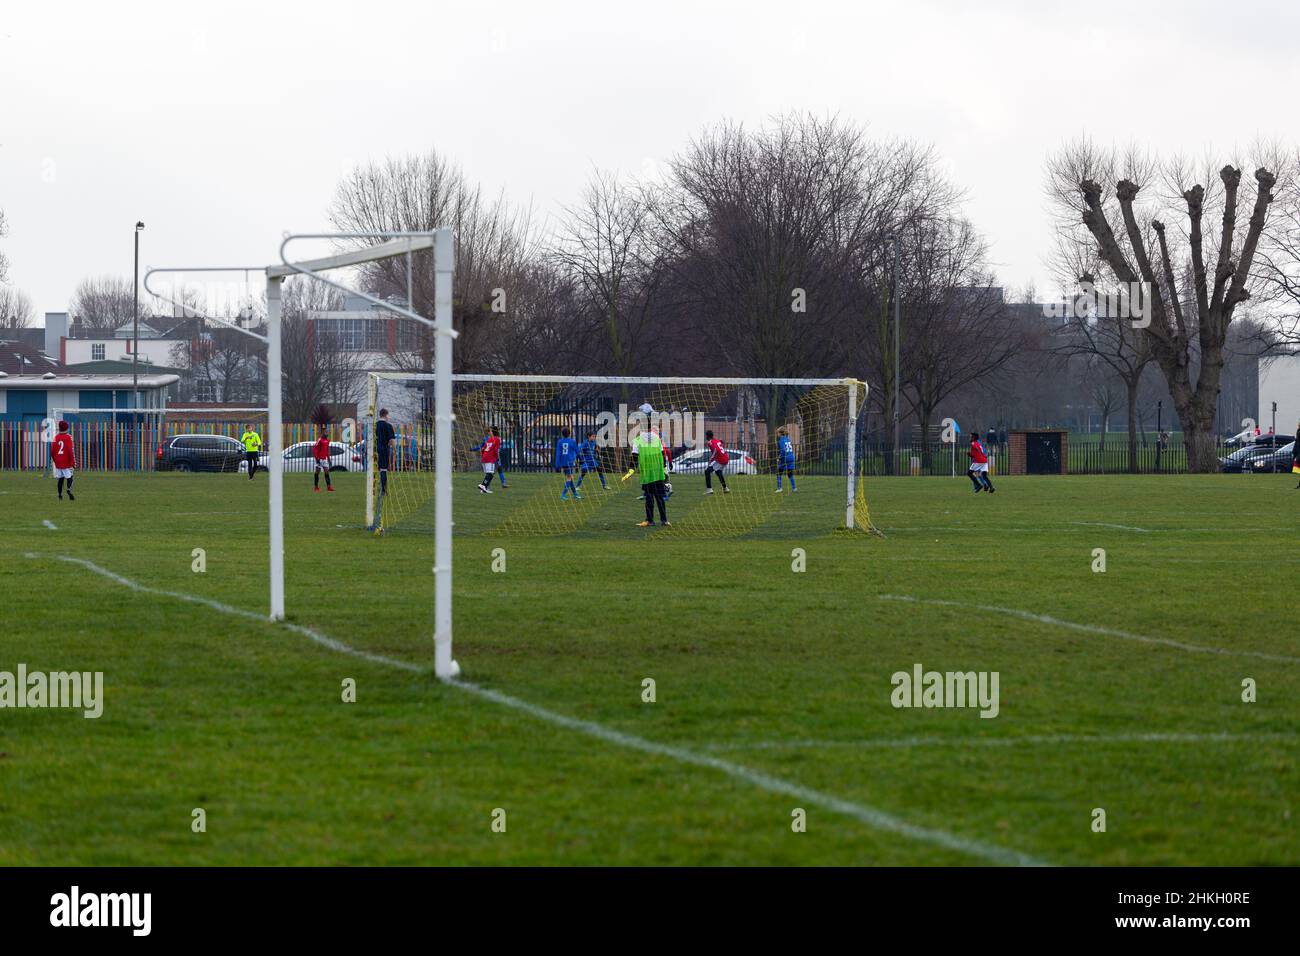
(1119, 690)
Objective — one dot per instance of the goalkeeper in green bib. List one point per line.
(648, 448)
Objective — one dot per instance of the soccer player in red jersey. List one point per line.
(64, 458)
(979, 465)
(718, 459)
(489, 454)
(321, 452)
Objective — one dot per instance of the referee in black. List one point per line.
(384, 436)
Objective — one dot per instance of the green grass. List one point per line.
(780, 673)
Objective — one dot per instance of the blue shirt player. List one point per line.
(566, 455)
(784, 458)
(587, 461)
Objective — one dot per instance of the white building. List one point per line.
(1279, 381)
(156, 345)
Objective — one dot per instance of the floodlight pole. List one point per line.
(135, 322)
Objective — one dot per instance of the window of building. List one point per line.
(97, 351)
(356, 335)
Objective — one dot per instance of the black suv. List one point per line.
(199, 453)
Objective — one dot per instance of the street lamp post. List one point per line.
(898, 345)
(1273, 430)
(135, 324)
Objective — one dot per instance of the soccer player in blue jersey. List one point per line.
(587, 461)
(566, 455)
(784, 458)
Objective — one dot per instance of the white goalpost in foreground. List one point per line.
(442, 244)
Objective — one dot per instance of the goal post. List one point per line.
(373, 247)
(791, 437)
(395, 243)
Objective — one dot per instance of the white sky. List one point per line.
(222, 125)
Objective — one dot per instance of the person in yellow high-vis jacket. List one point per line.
(252, 449)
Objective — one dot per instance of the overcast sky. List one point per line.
(222, 125)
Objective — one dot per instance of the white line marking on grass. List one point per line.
(1121, 527)
(49, 524)
(872, 817)
(904, 743)
(1090, 628)
(237, 612)
(878, 819)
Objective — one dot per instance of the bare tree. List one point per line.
(495, 244)
(229, 361)
(1280, 269)
(104, 303)
(956, 325)
(4, 260)
(15, 308)
(761, 227)
(537, 334)
(1111, 348)
(1188, 324)
(607, 249)
(312, 366)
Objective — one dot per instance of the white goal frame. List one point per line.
(394, 243)
(372, 391)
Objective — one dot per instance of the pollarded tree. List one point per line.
(1187, 326)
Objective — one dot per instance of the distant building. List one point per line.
(378, 340)
(31, 398)
(72, 345)
(1279, 381)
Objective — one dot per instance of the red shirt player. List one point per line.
(63, 456)
(489, 455)
(717, 464)
(979, 466)
(321, 452)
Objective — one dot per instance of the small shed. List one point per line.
(1038, 451)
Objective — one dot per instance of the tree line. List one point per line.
(783, 250)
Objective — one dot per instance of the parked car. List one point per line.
(1259, 458)
(298, 457)
(1234, 462)
(1274, 460)
(693, 462)
(200, 453)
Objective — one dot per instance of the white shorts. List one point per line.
(979, 466)
(489, 467)
(716, 467)
(62, 472)
(322, 463)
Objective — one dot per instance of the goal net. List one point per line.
(562, 454)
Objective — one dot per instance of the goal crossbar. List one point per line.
(615, 379)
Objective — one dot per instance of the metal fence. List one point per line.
(1082, 458)
(133, 446)
(118, 446)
